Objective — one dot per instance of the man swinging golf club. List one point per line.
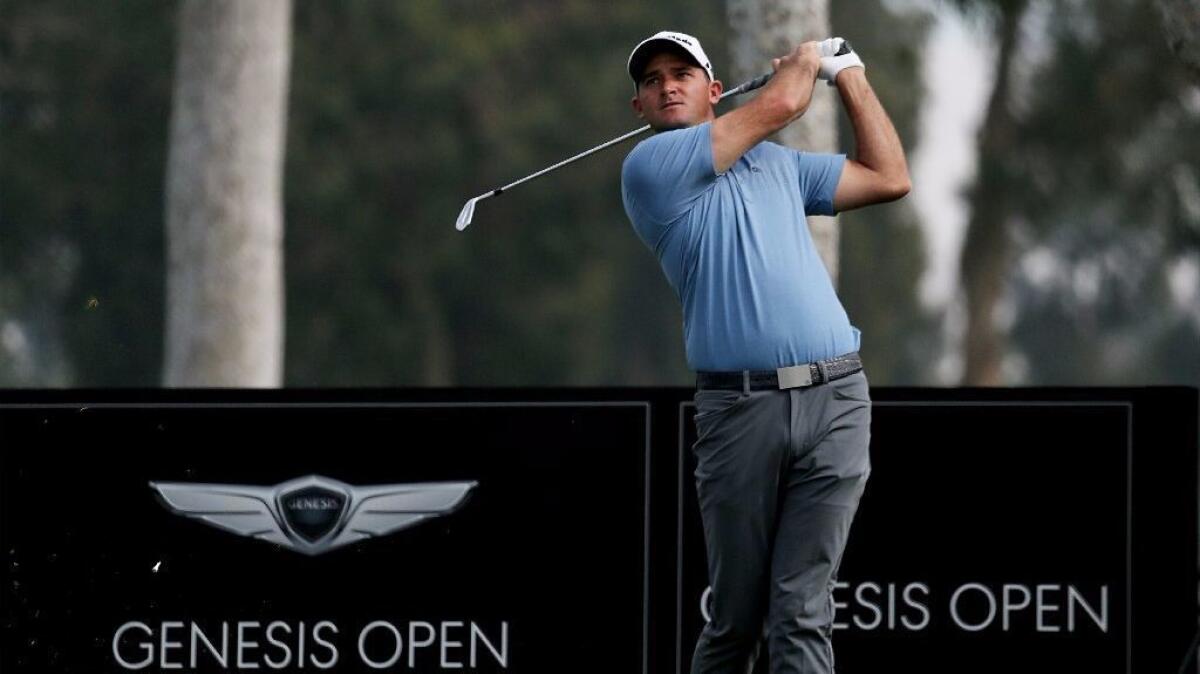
(782, 408)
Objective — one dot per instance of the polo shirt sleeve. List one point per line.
(819, 176)
(663, 176)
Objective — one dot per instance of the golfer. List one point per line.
(782, 409)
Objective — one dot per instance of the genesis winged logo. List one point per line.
(313, 514)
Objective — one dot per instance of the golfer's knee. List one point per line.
(797, 616)
(741, 629)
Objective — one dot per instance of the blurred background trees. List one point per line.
(882, 249)
(398, 112)
(1106, 209)
(85, 99)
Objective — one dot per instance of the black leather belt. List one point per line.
(796, 376)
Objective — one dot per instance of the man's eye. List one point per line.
(685, 74)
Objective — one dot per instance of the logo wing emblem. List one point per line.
(241, 509)
(284, 514)
(383, 509)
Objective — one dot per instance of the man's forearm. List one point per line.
(876, 143)
(781, 101)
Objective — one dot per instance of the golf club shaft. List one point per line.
(740, 89)
(581, 155)
(468, 211)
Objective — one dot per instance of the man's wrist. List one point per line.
(850, 73)
(852, 87)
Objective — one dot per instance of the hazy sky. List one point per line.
(957, 72)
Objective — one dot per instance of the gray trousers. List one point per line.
(779, 477)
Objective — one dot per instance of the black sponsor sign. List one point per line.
(542, 563)
(556, 530)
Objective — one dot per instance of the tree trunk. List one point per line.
(224, 186)
(437, 362)
(767, 29)
(987, 248)
(1181, 24)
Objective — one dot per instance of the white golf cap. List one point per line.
(648, 47)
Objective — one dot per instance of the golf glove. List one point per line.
(836, 54)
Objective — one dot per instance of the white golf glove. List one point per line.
(836, 55)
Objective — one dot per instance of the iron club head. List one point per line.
(468, 212)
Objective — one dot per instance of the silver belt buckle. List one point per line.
(794, 376)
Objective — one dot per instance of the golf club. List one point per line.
(468, 211)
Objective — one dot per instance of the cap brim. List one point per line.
(649, 48)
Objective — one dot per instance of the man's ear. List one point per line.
(637, 107)
(715, 89)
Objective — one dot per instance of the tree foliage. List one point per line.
(1109, 205)
(83, 126)
(402, 111)
(1086, 202)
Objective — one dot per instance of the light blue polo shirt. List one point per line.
(737, 250)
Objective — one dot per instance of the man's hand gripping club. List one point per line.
(836, 56)
(783, 100)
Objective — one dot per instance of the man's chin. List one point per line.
(669, 126)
